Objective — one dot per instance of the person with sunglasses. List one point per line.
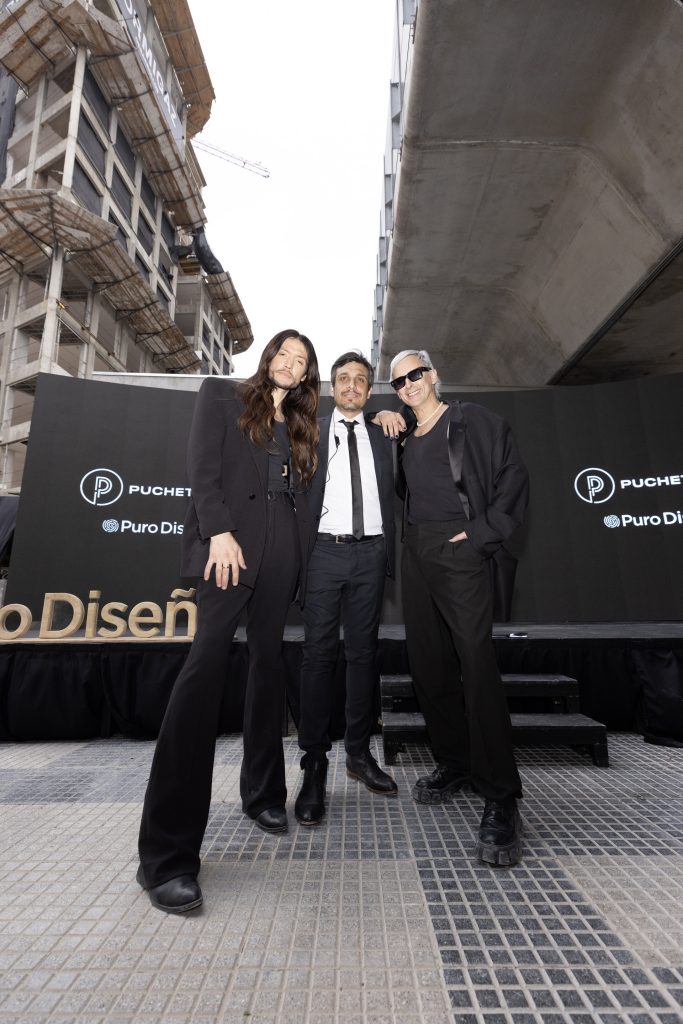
(465, 491)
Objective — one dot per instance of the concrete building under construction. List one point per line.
(104, 263)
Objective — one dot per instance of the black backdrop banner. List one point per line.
(105, 492)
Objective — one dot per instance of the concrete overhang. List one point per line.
(539, 196)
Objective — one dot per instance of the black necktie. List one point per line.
(356, 486)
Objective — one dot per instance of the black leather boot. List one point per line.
(500, 833)
(309, 808)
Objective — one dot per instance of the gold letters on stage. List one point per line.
(112, 621)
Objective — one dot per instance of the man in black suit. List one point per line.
(352, 499)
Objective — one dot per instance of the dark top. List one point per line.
(432, 493)
(229, 480)
(487, 471)
(279, 458)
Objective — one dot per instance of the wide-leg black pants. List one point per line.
(176, 807)
(447, 605)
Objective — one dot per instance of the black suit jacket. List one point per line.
(384, 470)
(229, 480)
(493, 485)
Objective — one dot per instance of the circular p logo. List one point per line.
(101, 487)
(594, 485)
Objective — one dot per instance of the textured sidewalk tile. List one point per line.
(379, 915)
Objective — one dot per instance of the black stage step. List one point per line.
(558, 693)
(403, 723)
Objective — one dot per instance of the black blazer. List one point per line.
(384, 470)
(487, 470)
(493, 486)
(229, 480)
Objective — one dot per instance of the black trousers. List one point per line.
(447, 605)
(345, 583)
(177, 802)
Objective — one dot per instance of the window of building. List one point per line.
(121, 236)
(121, 194)
(145, 234)
(15, 469)
(60, 86)
(85, 191)
(19, 150)
(5, 295)
(165, 269)
(22, 405)
(142, 266)
(53, 131)
(147, 195)
(163, 298)
(70, 351)
(51, 175)
(167, 232)
(25, 110)
(106, 326)
(32, 291)
(101, 364)
(89, 140)
(124, 152)
(26, 345)
(96, 98)
(133, 356)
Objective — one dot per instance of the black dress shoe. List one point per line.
(309, 808)
(500, 833)
(366, 770)
(437, 787)
(176, 896)
(272, 820)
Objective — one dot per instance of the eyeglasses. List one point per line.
(399, 382)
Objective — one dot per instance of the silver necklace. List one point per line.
(431, 416)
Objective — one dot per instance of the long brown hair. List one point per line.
(299, 406)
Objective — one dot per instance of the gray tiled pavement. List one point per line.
(381, 915)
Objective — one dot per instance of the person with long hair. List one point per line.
(251, 455)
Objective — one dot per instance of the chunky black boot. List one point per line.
(439, 785)
(500, 833)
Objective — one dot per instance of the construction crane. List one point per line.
(231, 158)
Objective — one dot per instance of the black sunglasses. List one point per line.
(398, 382)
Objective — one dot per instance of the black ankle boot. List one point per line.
(309, 808)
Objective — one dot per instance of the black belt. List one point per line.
(348, 538)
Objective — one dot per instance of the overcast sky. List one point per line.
(302, 88)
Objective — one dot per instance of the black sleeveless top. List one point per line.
(432, 496)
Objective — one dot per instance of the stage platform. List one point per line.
(630, 676)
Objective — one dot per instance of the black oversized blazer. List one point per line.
(382, 450)
(229, 480)
(492, 483)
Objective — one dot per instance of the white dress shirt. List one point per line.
(337, 514)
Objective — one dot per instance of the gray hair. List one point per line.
(424, 358)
